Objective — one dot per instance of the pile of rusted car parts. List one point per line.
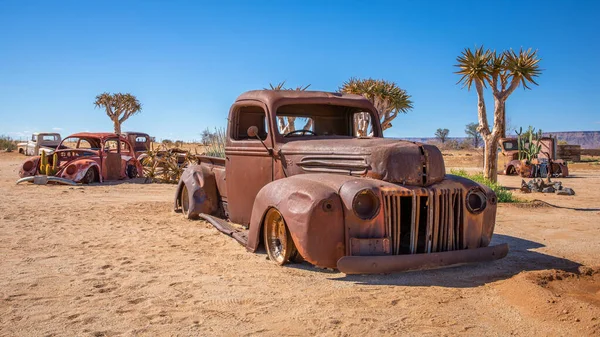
(545, 186)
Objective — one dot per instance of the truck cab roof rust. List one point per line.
(313, 169)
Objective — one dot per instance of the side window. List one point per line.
(125, 148)
(111, 145)
(363, 125)
(33, 139)
(246, 117)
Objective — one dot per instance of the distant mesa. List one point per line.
(587, 139)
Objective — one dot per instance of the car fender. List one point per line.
(313, 212)
(202, 190)
(515, 165)
(34, 169)
(83, 165)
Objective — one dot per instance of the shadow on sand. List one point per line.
(520, 258)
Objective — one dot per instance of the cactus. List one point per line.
(54, 165)
(43, 162)
(529, 144)
(49, 170)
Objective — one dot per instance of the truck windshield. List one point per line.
(510, 145)
(298, 120)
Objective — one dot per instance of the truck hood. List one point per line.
(388, 159)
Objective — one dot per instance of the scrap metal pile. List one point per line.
(545, 186)
(165, 165)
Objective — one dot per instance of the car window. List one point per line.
(49, 138)
(84, 144)
(111, 146)
(246, 117)
(125, 148)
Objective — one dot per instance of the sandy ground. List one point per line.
(115, 260)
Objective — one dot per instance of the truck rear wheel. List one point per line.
(184, 200)
(277, 239)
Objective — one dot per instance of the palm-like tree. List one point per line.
(387, 97)
(119, 107)
(503, 72)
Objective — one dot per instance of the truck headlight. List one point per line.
(476, 200)
(365, 204)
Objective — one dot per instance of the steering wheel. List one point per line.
(300, 131)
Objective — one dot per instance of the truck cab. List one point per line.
(310, 173)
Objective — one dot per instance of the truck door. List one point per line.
(248, 165)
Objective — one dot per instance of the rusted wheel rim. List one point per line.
(185, 200)
(90, 176)
(278, 242)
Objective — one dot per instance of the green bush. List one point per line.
(7, 143)
(502, 193)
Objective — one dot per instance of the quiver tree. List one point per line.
(442, 134)
(387, 97)
(119, 107)
(503, 72)
(473, 134)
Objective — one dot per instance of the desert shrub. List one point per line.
(7, 143)
(167, 142)
(214, 142)
(466, 144)
(502, 193)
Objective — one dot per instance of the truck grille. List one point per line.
(424, 221)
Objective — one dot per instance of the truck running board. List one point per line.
(235, 231)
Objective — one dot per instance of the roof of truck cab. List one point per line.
(271, 96)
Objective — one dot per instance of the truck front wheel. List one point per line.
(277, 239)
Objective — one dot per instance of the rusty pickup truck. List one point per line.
(508, 160)
(326, 195)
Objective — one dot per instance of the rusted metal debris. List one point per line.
(333, 198)
(86, 158)
(545, 186)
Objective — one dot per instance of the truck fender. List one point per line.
(313, 213)
(202, 191)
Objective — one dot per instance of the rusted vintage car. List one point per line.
(508, 159)
(324, 195)
(90, 157)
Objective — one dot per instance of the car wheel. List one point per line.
(131, 171)
(278, 241)
(90, 176)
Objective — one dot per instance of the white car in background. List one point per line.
(40, 141)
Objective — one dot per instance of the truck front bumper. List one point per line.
(397, 263)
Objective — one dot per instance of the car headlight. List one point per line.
(365, 204)
(27, 166)
(71, 169)
(476, 200)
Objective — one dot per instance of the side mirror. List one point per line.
(253, 131)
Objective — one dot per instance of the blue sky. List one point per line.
(188, 60)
